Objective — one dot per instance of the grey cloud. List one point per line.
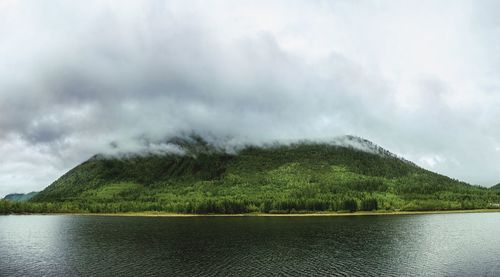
(99, 76)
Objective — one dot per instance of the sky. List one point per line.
(419, 78)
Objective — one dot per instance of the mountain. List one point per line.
(348, 173)
(496, 187)
(20, 197)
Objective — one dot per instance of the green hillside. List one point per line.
(20, 197)
(301, 177)
(496, 187)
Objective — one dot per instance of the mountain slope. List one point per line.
(353, 174)
(20, 197)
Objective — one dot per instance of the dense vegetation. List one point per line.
(303, 177)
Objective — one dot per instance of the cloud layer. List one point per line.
(419, 78)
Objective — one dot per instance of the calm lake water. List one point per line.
(408, 245)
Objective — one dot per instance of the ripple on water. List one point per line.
(423, 245)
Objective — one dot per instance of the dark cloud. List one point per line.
(102, 78)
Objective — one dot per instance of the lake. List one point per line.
(397, 245)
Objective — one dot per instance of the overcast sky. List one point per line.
(419, 78)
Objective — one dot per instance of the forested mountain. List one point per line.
(20, 197)
(496, 187)
(347, 175)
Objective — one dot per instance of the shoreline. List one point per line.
(318, 214)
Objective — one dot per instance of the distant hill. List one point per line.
(348, 173)
(496, 187)
(20, 197)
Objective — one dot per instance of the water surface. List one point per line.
(406, 245)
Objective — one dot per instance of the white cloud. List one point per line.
(416, 77)
(431, 160)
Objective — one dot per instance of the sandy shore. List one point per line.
(376, 213)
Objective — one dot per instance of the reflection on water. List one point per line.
(453, 244)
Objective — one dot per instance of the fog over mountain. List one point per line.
(419, 78)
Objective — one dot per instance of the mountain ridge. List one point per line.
(20, 197)
(301, 176)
